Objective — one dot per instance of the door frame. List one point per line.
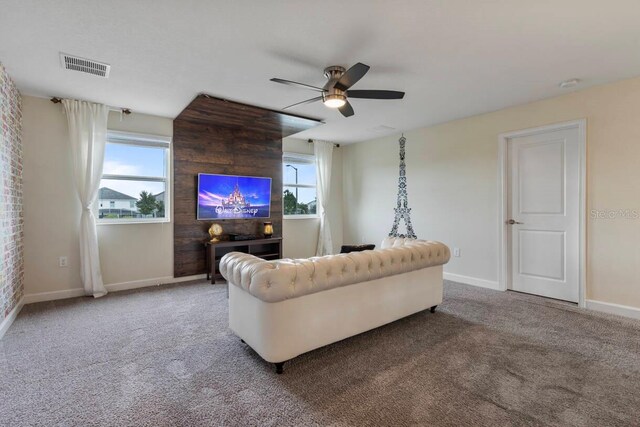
(504, 260)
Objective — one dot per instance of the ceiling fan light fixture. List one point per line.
(334, 100)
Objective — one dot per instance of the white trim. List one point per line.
(143, 140)
(611, 308)
(299, 185)
(121, 221)
(157, 281)
(8, 321)
(113, 287)
(503, 191)
(134, 178)
(303, 158)
(134, 138)
(299, 158)
(53, 295)
(301, 216)
(473, 281)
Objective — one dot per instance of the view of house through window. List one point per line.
(134, 179)
(299, 185)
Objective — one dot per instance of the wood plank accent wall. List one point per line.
(213, 135)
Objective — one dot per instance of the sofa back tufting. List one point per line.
(273, 281)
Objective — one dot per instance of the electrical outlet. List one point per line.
(456, 252)
(63, 261)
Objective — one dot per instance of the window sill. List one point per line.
(301, 217)
(125, 222)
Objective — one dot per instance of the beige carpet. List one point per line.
(164, 357)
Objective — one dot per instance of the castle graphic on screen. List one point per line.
(236, 199)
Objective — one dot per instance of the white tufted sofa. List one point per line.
(287, 307)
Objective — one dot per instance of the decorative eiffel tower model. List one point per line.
(402, 210)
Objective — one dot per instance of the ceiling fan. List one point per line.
(335, 92)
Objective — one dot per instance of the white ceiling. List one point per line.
(453, 58)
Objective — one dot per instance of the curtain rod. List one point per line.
(126, 111)
(310, 141)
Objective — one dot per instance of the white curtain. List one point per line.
(324, 155)
(88, 134)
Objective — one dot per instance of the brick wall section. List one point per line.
(11, 216)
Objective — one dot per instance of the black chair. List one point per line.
(345, 249)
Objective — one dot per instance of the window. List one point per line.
(135, 179)
(299, 196)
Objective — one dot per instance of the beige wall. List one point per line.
(128, 252)
(300, 236)
(453, 191)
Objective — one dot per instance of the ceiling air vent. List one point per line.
(382, 128)
(70, 62)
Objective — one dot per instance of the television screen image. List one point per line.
(233, 197)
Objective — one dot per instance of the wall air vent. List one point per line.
(70, 62)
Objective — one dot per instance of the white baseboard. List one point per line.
(473, 281)
(112, 287)
(4, 325)
(611, 308)
(53, 295)
(156, 281)
(604, 307)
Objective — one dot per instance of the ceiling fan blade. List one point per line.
(308, 101)
(346, 110)
(351, 76)
(301, 85)
(375, 94)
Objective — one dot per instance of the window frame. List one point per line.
(299, 158)
(140, 140)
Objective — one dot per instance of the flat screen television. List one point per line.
(233, 197)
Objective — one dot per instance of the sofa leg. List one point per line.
(279, 367)
(433, 309)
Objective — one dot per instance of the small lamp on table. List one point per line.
(268, 229)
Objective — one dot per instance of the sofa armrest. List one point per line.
(239, 268)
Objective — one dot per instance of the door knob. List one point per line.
(513, 221)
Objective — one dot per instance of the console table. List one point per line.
(268, 249)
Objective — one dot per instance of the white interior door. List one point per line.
(544, 213)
